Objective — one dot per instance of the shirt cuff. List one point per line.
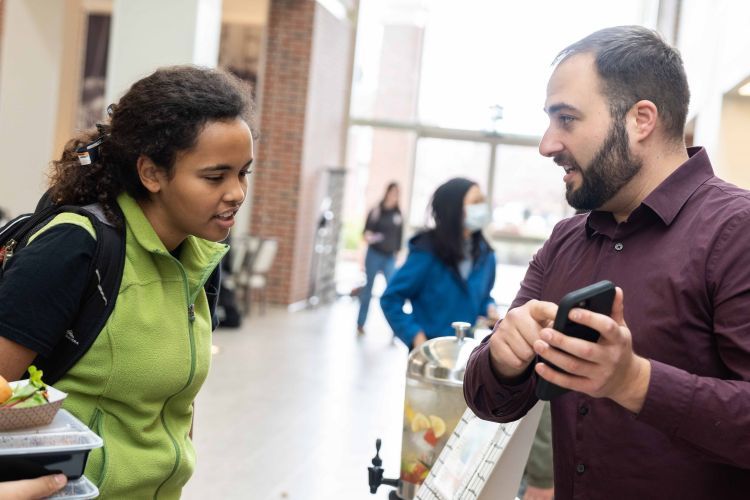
(668, 399)
(506, 397)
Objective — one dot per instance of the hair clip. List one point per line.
(89, 153)
(103, 130)
(111, 110)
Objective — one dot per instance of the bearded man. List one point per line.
(659, 407)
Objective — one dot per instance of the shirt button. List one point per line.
(580, 468)
(583, 410)
(618, 246)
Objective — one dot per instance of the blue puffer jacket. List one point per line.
(438, 294)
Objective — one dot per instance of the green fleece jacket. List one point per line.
(136, 385)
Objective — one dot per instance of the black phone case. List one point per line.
(597, 298)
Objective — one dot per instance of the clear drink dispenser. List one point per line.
(433, 405)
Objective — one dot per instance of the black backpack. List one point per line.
(104, 277)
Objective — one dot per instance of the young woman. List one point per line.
(174, 160)
(383, 234)
(449, 272)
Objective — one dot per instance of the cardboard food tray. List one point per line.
(21, 418)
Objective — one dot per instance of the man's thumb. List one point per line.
(618, 307)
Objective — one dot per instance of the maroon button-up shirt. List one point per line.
(683, 261)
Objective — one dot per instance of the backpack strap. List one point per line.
(44, 202)
(97, 302)
(20, 229)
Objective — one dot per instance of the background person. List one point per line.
(660, 406)
(449, 272)
(383, 233)
(174, 161)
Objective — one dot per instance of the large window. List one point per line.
(479, 54)
(528, 193)
(376, 157)
(439, 160)
(449, 64)
(458, 88)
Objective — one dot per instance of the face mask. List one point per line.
(477, 216)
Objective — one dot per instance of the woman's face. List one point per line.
(208, 185)
(391, 198)
(473, 196)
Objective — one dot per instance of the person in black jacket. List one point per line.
(383, 233)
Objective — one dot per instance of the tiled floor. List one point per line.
(293, 405)
(294, 402)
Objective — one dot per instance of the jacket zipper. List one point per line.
(191, 319)
(96, 425)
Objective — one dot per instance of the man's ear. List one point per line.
(643, 116)
(149, 173)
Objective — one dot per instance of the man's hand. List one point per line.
(492, 315)
(32, 488)
(606, 369)
(512, 341)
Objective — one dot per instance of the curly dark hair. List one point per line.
(160, 116)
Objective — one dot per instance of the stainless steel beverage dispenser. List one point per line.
(433, 405)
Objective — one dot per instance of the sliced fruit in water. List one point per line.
(438, 425)
(420, 423)
(408, 413)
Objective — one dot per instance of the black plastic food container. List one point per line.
(60, 447)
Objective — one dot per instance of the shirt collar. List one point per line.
(670, 196)
(196, 252)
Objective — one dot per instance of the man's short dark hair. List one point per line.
(635, 63)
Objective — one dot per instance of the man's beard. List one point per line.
(610, 169)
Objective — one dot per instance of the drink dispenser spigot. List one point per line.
(375, 473)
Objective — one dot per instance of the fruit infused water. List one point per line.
(431, 412)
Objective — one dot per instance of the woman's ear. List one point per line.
(149, 173)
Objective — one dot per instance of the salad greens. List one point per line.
(32, 394)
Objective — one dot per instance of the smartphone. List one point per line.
(597, 298)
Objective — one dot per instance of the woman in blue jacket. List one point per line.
(449, 272)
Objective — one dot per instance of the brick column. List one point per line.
(302, 124)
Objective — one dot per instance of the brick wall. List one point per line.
(282, 117)
(305, 66)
